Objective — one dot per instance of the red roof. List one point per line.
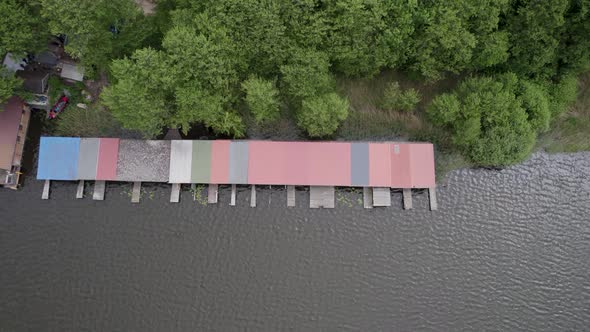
(10, 118)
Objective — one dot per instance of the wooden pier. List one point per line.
(367, 197)
(432, 198)
(321, 197)
(175, 193)
(136, 193)
(253, 196)
(99, 188)
(290, 196)
(80, 190)
(46, 186)
(232, 200)
(213, 194)
(381, 196)
(407, 193)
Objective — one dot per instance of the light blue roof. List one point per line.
(58, 158)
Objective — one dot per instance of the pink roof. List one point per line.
(299, 163)
(379, 165)
(219, 162)
(108, 153)
(9, 121)
(401, 174)
(422, 165)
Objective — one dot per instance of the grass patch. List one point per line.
(571, 130)
(57, 88)
(93, 122)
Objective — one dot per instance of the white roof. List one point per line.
(72, 72)
(13, 64)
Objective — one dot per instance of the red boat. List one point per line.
(58, 107)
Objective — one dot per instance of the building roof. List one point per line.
(58, 158)
(34, 81)
(72, 72)
(10, 118)
(13, 64)
(361, 164)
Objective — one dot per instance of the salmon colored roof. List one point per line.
(10, 117)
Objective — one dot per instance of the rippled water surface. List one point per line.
(507, 250)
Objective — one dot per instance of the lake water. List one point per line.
(507, 250)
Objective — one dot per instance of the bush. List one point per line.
(486, 120)
(320, 116)
(262, 99)
(396, 99)
(563, 93)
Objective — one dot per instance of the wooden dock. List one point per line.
(321, 197)
(99, 188)
(290, 196)
(253, 196)
(175, 194)
(232, 200)
(80, 190)
(432, 198)
(367, 198)
(213, 194)
(407, 193)
(46, 186)
(381, 196)
(136, 193)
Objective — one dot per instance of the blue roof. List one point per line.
(58, 158)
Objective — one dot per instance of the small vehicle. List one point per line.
(61, 104)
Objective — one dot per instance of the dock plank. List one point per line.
(80, 190)
(290, 196)
(381, 196)
(175, 194)
(367, 198)
(321, 197)
(213, 194)
(407, 193)
(99, 188)
(253, 196)
(232, 201)
(45, 194)
(136, 194)
(432, 197)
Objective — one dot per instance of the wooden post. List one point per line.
(407, 193)
(175, 194)
(136, 194)
(432, 196)
(99, 188)
(253, 196)
(290, 196)
(232, 201)
(213, 193)
(45, 194)
(80, 191)
(367, 198)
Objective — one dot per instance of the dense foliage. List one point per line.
(262, 98)
(394, 98)
(9, 85)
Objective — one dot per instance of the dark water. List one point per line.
(508, 250)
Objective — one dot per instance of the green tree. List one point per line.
(307, 75)
(394, 98)
(262, 99)
(320, 116)
(92, 27)
(21, 29)
(535, 29)
(141, 97)
(562, 93)
(536, 104)
(9, 85)
(486, 120)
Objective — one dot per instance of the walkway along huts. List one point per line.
(377, 167)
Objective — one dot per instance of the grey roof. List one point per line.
(359, 164)
(238, 162)
(72, 72)
(146, 161)
(88, 158)
(13, 64)
(34, 81)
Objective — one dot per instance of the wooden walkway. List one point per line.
(80, 190)
(99, 188)
(232, 201)
(136, 194)
(367, 197)
(290, 196)
(407, 193)
(46, 186)
(321, 197)
(381, 197)
(432, 198)
(213, 194)
(253, 196)
(175, 194)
